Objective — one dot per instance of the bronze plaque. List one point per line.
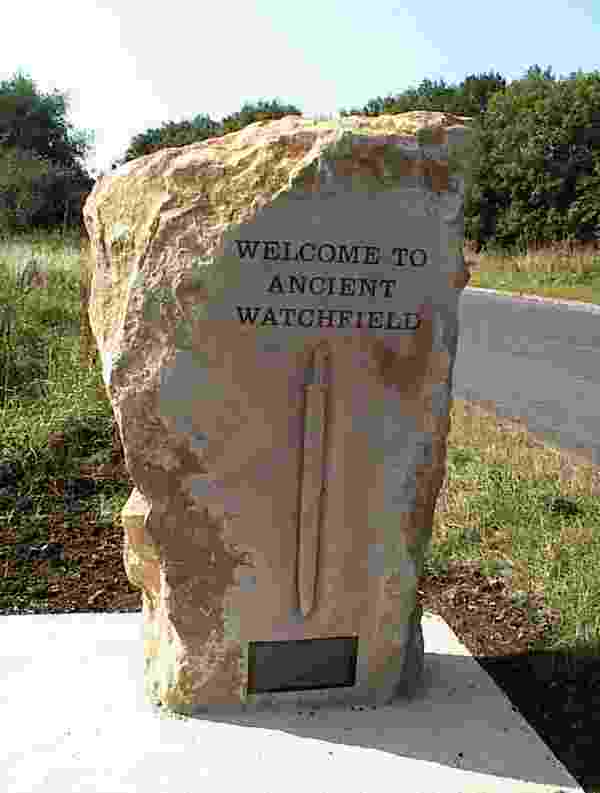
(301, 665)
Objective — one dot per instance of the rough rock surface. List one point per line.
(286, 468)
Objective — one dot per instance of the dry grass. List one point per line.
(565, 270)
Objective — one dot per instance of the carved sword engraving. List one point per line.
(313, 476)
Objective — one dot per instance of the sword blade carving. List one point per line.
(313, 477)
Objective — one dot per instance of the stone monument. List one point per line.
(276, 314)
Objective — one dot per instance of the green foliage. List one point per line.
(470, 98)
(36, 121)
(35, 192)
(536, 169)
(41, 180)
(32, 315)
(20, 170)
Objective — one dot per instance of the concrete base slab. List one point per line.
(74, 719)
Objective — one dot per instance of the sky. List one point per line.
(128, 66)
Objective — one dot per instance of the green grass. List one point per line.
(493, 508)
(43, 387)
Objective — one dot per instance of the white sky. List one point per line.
(131, 65)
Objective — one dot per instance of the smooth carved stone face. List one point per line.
(276, 312)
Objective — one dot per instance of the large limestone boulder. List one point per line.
(276, 313)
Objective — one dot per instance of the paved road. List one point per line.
(537, 361)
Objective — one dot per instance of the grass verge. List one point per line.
(566, 271)
(513, 565)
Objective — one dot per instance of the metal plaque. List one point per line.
(301, 665)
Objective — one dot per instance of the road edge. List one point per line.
(527, 298)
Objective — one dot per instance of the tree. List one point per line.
(35, 135)
(539, 161)
(19, 171)
(476, 91)
(467, 99)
